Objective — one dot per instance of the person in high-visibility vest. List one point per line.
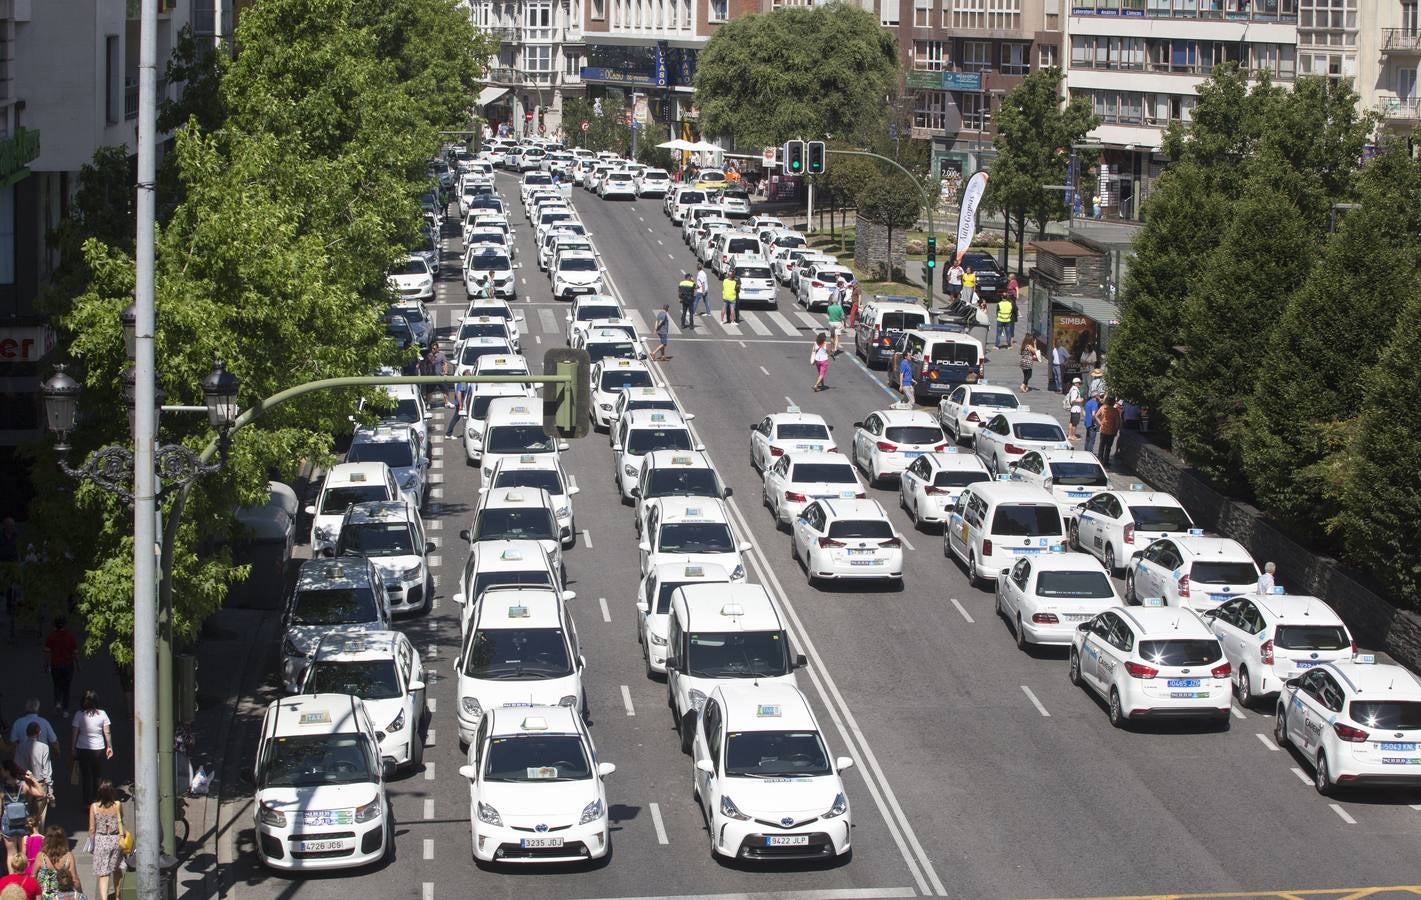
(1004, 308)
(728, 295)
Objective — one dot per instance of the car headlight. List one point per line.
(658, 641)
(563, 512)
(411, 572)
(631, 473)
(605, 406)
(841, 806)
(471, 706)
(591, 812)
(569, 701)
(271, 816)
(696, 698)
(397, 725)
(489, 816)
(292, 648)
(369, 812)
(728, 808)
(739, 572)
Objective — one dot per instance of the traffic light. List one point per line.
(815, 149)
(932, 253)
(566, 411)
(794, 157)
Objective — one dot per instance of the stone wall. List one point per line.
(1374, 622)
(871, 249)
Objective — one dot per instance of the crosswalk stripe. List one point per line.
(784, 324)
(730, 327)
(638, 321)
(548, 321)
(809, 320)
(756, 324)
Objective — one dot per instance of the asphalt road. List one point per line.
(981, 771)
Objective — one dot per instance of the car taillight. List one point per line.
(1013, 448)
(973, 417)
(887, 447)
(1222, 670)
(1045, 619)
(860, 496)
(1140, 671)
(1348, 733)
(1184, 585)
(830, 542)
(1129, 534)
(940, 447)
(815, 283)
(936, 490)
(1354, 648)
(1265, 652)
(891, 542)
(792, 497)
(986, 548)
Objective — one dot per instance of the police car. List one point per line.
(691, 530)
(1191, 570)
(797, 479)
(588, 308)
(539, 471)
(961, 412)
(1273, 637)
(492, 564)
(480, 398)
(1358, 722)
(791, 431)
(838, 539)
(391, 534)
(1043, 598)
(1152, 662)
(929, 487)
(398, 447)
(346, 484)
(517, 514)
(637, 398)
(674, 473)
(331, 595)
(514, 427)
(468, 352)
(1071, 476)
(764, 777)
(887, 441)
(484, 325)
(535, 788)
(643, 432)
(610, 378)
(1113, 524)
(521, 651)
(609, 341)
(1006, 436)
(383, 669)
(653, 602)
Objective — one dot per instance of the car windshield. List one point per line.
(496, 328)
(801, 431)
(877, 529)
(368, 679)
(518, 654)
(537, 178)
(737, 654)
(828, 473)
(302, 761)
(1220, 572)
(953, 352)
(1402, 715)
(1311, 637)
(376, 539)
(478, 409)
(901, 321)
(407, 411)
(1161, 518)
(1038, 431)
(1074, 585)
(492, 312)
(530, 578)
(794, 240)
(645, 440)
(695, 537)
(981, 263)
(959, 477)
(547, 479)
(620, 380)
(488, 237)
(601, 350)
(543, 757)
(413, 266)
(516, 523)
(1079, 473)
(1026, 520)
(472, 352)
(1180, 652)
(681, 481)
(333, 606)
(664, 591)
(914, 434)
(775, 754)
(412, 314)
(338, 499)
(395, 454)
(588, 312)
(517, 439)
(488, 262)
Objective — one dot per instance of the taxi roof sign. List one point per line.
(951, 450)
(520, 410)
(900, 404)
(518, 612)
(695, 571)
(732, 609)
(1003, 477)
(1278, 589)
(527, 458)
(1153, 601)
(357, 477)
(1196, 532)
(511, 554)
(658, 417)
(624, 363)
(1137, 486)
(767, 711)
(319, 717)
(680, 460)
(534, 723)
(514, 496)
(792, 409)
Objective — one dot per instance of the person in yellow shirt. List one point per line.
(969, 285)
(728, 294)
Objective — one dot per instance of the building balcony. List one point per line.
(1401, 40)
(506, 75)
(508, 34)
(1399, 109)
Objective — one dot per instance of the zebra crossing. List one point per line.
(548, 321)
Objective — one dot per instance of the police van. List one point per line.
(995, 522)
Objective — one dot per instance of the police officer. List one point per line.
(686, 293)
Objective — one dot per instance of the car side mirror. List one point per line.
(742, 547)
(728, 492)
(801, 661)
(517, 317)
(310, 510)
(429, 547)
(569, 595)
(416, 686)
(464, 533)
(483, 489)
(688, 416)
(706, 766)
(636, 492)
(644, 546)
(844, 762)
(616, 448)
(605, 769)
(581, 661)
(573, 490)
(858, 424)
(388, 766)
(569, 317)
(469, 772)
(1083, 626)
(1210, 614)
(699, 448)
(460, 599)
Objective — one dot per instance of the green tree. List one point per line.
(894, 202)
(605, 130)
(803, 71)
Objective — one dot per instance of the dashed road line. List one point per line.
(656, 823)
(742, 345)
(429, 808)
(627, 700)
(429, 738)
(586, 539)
(433, 704)
(1238, 713)
(765, 370)
(1035, 702)
(436, 560)
(606, 614)
(427, 891)
(961, 610)
(1342, 814)
(429, 771)
(537, 338)
(1267, 741)
(429, 848)
(434, 525)
(1302, 776)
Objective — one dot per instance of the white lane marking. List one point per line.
(648, 228)
(436, 560)
(1238, 713)
(669, 256)
(730, 327)
(606, 614)
(1342, 814)
(429, 808)
(1035, 702)
(638, 321)
(627, 700)
(429, 848)
(658, 241)
(1267, 742)
(546, 319)
(436, 493)
(427, 891)
(658, 824)
(756, 324)
(586, 539)
(437, 462)
(1416, 806)
(809, 320)
(907, 544)
(1302, 776)
(429, 738)
(961, 609)
(790, 400)
(742, 345)
(434, 525)
(784, 324)
(429, 771)
(765, 370)
(432, 703)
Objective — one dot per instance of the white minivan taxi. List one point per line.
(994, 522)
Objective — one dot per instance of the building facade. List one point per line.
(1388, 44)
(538, 65)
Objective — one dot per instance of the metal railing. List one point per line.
(1401, 40)
(1407, 109)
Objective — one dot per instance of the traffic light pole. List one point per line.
(927, 206)
(167, 800)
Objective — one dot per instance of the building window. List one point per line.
(994, 14)
(930, 110)
(976, 56)
(113, 68)
(1048, 56)
(572, 64)
(1408, 17)
(922, 13)
(599, 9)
(538, 16)
(888, 13)
(687, 21)
(975, 109)
(1016, 59)
(719, 11)
(1327, 23)
(537, 60)
(929, 56)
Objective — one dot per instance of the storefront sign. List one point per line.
(962, 81)
(17, 152)
(923, 81)
(25, 344)
(1076, 331)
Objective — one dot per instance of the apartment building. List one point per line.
(1388, 42)
(539, 62)
(1141, 62)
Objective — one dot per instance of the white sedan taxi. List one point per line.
(691, 530)
(929, 487)
(610, 378)
(653, 605)
(791, 431)
(1153, 662)
(1070, 476)
(535, 788)
(539, 471)
(636, 398)
(589, 308)
(887, 441)
(643, 432)
(1004, 437)
(1043, 598)
(846, 539)
(1112, 525)
(797, 479)
(609, 341)
(674, 473)
(485, 325)
(764, 777)
(962, 412)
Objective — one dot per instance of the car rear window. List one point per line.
(914, 434)
(1181, 652)
(752, 272)
(832, 473)
(1218, 572)
(959, 477)
(1074, 585)
(953, 352)
(688, 197)
(1399, 714)
(742, 245)
(861, 528)
(801, 431)
(1026, 520)
(1038, 431)
(901, 321)
(1311, 637)
(1161, 518)
(1077, 473)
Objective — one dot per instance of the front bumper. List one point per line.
(750, 839)
(356, 845)
(568, 291)
(406, 595)
(506, 843)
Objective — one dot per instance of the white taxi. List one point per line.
(514, 427)
(675, 473)
(643, 432)
(539, 471)
(498, 309)
(653, 605)
(484, 325)
(1043, 598)
(929, 487)
(1271, 638)
(383, 669)
(609, 340)
(887, 441)
(589, 308)
(1113, 524)
(633, 399)
(491, 564)
(1153, 662)
(961, 412)
(521, 651)
(610, 378)
(1191, 570)
(535, 788)
(517, 514)
(1357, 722)
(691, 530)
(1004, 437)
(467, 353)
(511, 364)
(480, 398)
(846, 539)
(797, 479)
(765, 779)
(1071, 476)
(791, 431)
(347, 484)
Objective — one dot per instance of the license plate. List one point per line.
(1019, 550)
(1391, 745)
(787, 840)
(1220, 598)
(536, 843)
(318, 846)
(1076, 617)
(1402, 760)
(1303, 664)
(1077, 493)
(814, 448)
(321, 818)
(1188, 695)
(1183, 682)
(912, 454)
(865, 562)
(860, 552)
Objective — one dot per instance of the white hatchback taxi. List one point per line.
(847, 539)
(1044, 598)
(929, 487)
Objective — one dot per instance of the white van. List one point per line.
(513, 427)
(995, 522)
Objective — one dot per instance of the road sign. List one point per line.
(767, 156)
(528, 116)
(585, 125)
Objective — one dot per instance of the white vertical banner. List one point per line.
(967, 216)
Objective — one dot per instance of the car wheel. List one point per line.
(1244, 691)
(1110, 565)
(416, 752)
(1117, 714)
(1075, 536)
(1322, 777)
(1074, 672)
(688, 731)
(1130, 598)
(428, 596)
(1020, 636)
(1280, 727)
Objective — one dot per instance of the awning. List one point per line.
(490, 94)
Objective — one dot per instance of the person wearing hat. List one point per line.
(1097, 381)
(1075, 403)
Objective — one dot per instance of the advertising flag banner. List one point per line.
(967, 217)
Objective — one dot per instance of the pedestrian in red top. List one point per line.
(59, 650)
(30, 889)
